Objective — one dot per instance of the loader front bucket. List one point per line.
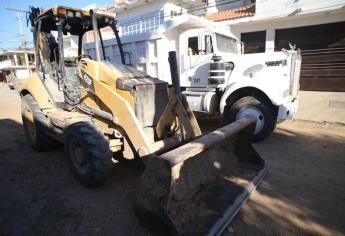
(197, 188)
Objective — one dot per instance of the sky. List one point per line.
(9, 29)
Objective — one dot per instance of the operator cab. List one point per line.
(50, 28)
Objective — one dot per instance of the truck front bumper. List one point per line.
(287, 110)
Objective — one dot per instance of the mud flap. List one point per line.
(199, 187)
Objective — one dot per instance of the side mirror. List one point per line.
(209, 46)
(201, 43)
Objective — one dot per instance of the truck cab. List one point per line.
(218, 78)
(197, 48)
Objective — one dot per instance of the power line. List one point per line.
(16, 10)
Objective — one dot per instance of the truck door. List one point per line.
(198, 53)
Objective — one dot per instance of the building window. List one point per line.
(146, 23)
(254, 42)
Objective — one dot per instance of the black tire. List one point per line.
(33, 123)
(268, 116)
(87, 151)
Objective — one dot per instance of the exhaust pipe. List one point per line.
(175, 79)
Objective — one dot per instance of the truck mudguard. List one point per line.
(272, 94)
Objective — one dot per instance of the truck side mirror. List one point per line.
(209, 45)
(201, 44)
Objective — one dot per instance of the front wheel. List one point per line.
(87, 151)
(251, 106)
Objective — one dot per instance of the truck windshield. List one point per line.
(226, 44)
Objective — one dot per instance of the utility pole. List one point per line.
(19, 21)
(22, 35)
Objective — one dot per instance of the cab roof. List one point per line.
(77, 20)
(62, 11)
(58, 11)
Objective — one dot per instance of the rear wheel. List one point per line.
(33, 120)
(87, 151)
(250, 106)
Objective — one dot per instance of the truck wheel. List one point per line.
(33, 119)
(87, 151)
(250, 106)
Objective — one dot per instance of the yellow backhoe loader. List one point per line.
(101, 110)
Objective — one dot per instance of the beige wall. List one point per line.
(321, 106)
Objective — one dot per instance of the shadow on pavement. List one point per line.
(303, 193)
(39, 195)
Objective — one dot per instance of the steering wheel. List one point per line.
(78, 58)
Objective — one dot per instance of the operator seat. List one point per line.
(54, 49)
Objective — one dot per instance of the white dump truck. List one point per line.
(215, 76)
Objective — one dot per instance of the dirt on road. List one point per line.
(303, 192)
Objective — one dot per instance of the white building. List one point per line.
(316, 27)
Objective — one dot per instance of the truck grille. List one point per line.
(296, 61)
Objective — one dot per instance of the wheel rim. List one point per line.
(29, 124)
(79, 160)
(254, 112)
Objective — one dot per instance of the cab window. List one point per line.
(193, 47)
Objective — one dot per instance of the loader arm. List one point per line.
(100, 79)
